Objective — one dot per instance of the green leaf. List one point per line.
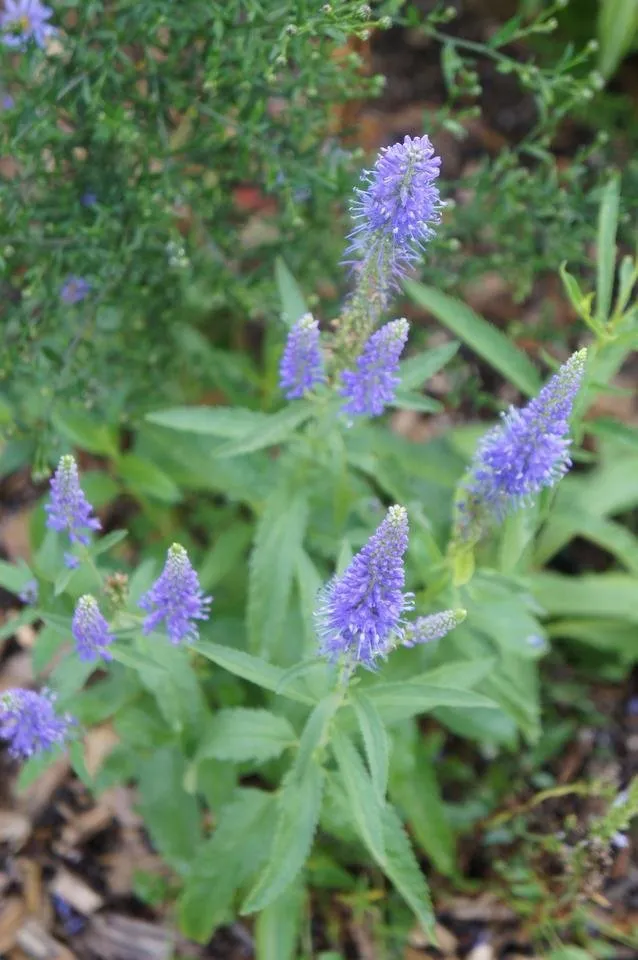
(415, 790)
(147, 480)
(402, 868)
(250, 668)
(615, 429)
(313, 737)
(173, 683)
(375, 741)
(14, 576)
(399, 701)
(69, 676)
(278, 926)
(417, 370)
(241, 734)
(274, 429)
(604, 595)
(485, 339)
(365, 808)
(81, 430)
(293, 303)
(227, 423)
(105, 543)
(225, 861)
(273, 562)
(612, 636)
(607, 534)
(408, 400)
(174, 826)
(299, 805)
(606, 241)
(617, 27)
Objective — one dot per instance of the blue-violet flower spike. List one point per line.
(373, 383)
(74, 289)
(301, 367)
(395, 208)
(527, 451)
(433, 627)
(90, 630)
(68, 508)
(24, 20)
(177, 598)
(360, 614)
(29, 722)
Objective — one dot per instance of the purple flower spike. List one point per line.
(90, 630)
(301, 367)
(24, 20)
(177, 598)
(29, 722)
(395, 207)
(528, 451)
(74, 289)
(373, 384)
(68, 508)
(360, 614)
(433, 627)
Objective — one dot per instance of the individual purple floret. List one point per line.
(395, 208)
(90, 630)
(373, 383)
(177, 598)
(433, 627)
(30, 592)
(24, 20)
(29, 722)
(7, 102)
(74, 289)
(360, 613)
(528, 451)
(68, 508)
(88, 199)
(301, 368)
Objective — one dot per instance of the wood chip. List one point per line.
(14, 828)
(483, 951)
(12, 914)
(112, 936)
(85, 825)
(76, 892)
(39, 945)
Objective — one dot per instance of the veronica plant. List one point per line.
(342, 613)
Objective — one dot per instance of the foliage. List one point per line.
(146, 139)
(268, 764)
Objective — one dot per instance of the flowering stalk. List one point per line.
(393, 211)
(527, 452)
(68, 509)
(176, 598)
(372, 384)
(433, 627)
(90, 630)
(301, 367)
(24, 20)
(29, 722)
(359, 615)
